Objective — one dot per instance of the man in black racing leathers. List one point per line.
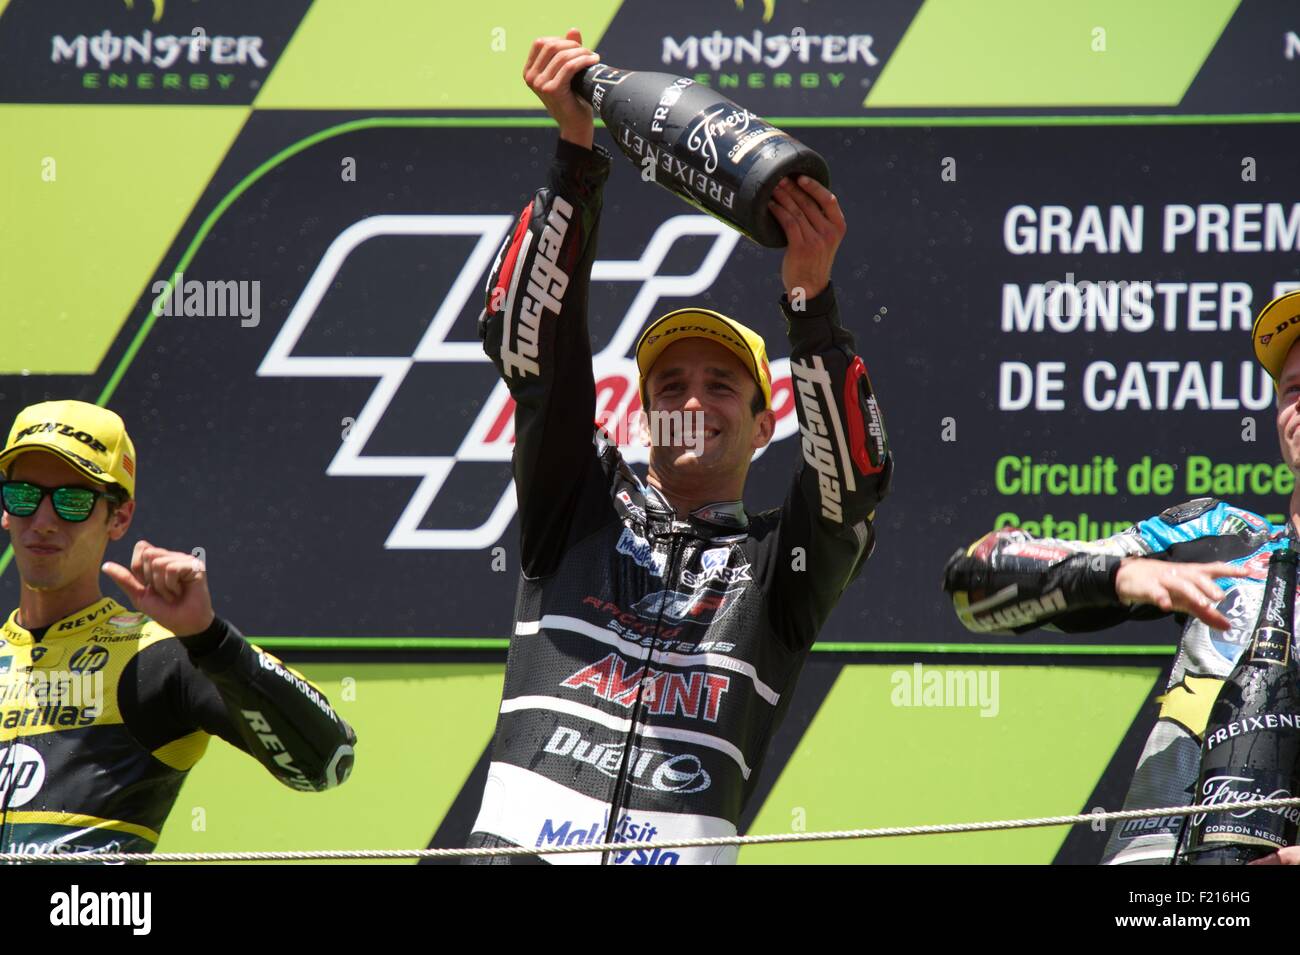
(659, 627)
(1204, 560)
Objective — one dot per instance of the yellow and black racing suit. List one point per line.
(103, 713)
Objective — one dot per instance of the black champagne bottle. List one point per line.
(1252, 740)
(716, 155)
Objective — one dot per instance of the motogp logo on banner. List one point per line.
(490, 437)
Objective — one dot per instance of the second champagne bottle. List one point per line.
(1251, 747)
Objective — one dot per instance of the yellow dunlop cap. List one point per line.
(1276, 330)
(745, 343)
(90, 438)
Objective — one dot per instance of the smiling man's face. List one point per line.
(53, 554)
(701, 401)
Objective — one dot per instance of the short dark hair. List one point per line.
(114, 497)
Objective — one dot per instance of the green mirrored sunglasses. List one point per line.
(73, 504)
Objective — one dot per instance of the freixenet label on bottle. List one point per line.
(671, 94)
(1252, 724)
(1271, 645)
(705, 187)
(693, 141)
(1272, 828)
(726, 127)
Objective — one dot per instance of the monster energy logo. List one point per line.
(106, 48)
(770, 50)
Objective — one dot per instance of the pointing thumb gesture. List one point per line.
(169, 586)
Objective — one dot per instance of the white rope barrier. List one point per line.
(325, 855)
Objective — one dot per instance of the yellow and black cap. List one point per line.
(90, 438)
(745, 343)
(1276, 330)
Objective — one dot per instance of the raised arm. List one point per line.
(843, 474)
(826, 531)
(534, 321)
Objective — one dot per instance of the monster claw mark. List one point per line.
(769, 8)
(157, 8)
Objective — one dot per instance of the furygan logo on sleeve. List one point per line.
(547, 283)
(823, 437)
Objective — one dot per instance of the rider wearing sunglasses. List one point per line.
(104, 711)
